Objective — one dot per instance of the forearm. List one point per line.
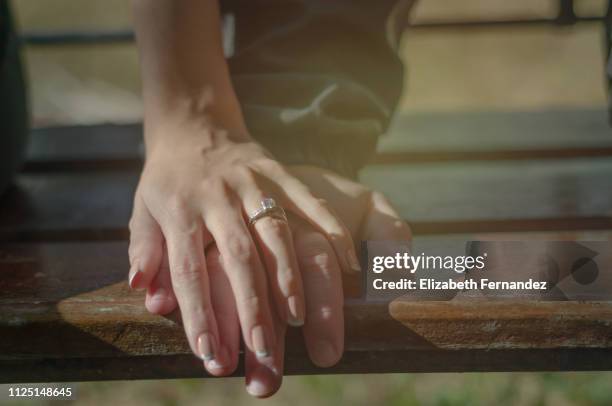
(184, 73)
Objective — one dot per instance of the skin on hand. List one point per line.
(204, 199)
(367, 214)
(202, 178)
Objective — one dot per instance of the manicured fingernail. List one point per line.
(221, 361)
(160, 294)
(134, 275)
(206, 347)
(326, 353)
(352, 260)
(260, 343)
(296, 312)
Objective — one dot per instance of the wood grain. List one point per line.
(423, 136)
(499, 196)
(436, 198)
(414, 137)
(68, 206)
(88, 146)
(66, 314)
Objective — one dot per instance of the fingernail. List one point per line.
(221, 361)
(134, 276)
(262, 382)
(206, 347)
(259, 340)
(326, 353)
(352, 260)
(258, 386)
(296, 312)
(160, 294)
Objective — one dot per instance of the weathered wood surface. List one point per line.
(511, 135)
(414, 137)
(537, 195)
(66, 313)
(68, 206)
(434, 198)
(91, 147)
(551, 194)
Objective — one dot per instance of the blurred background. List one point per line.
(539, 68)
(489, 68)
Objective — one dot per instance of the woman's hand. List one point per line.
(203, 177)
(367, 214)
(199, 186)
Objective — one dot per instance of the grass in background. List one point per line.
(500, 389)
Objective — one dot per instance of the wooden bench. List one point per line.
(66, 312)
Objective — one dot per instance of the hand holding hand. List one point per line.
(199, 186)
(367, 214)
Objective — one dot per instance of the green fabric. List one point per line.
(13, 102)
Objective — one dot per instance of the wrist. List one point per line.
(172, 132)
(188, 120)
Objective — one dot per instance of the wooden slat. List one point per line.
(499, 196)
(71, 206)
(85, 147)
(499, 134)
(435, 198)
(414, 137)
(66, 314)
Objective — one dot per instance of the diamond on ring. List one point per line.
(268, 208)
(268, 203)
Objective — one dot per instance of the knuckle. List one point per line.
(270, 166)
(301, 188)
(377, 196)
(177, 206)
(321, 261)
(306, 242)
(272, 228)
(246, 173)
(322, 203)
(238, 248)
(215, 186)
(339, 234)
(320, 207)
(314, 252)
(187, 271)
(252, 302)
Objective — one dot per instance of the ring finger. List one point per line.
(274, 240)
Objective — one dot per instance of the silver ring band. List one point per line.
(268, 208)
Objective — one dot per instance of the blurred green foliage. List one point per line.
(452, 389)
